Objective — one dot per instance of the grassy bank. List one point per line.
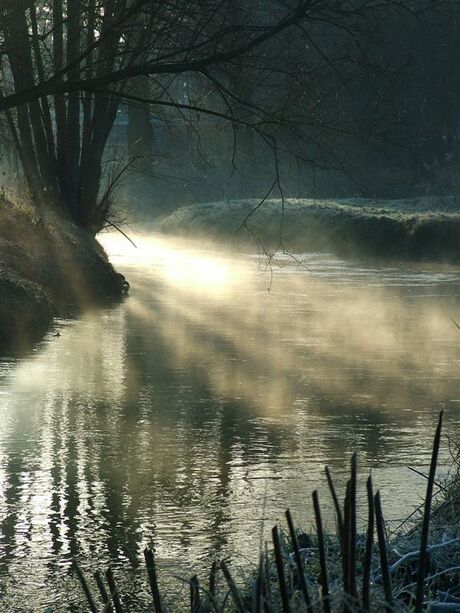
(416, 229)
(414, 567)
(48, 267)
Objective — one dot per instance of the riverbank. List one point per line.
(48, 267)
(415, 229)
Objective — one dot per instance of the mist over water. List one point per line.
(195, 412)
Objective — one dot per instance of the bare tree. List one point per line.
(62, 56)
(289, 71)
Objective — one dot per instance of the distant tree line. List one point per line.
(297, 84)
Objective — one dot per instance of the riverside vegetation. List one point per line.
(411, 229)
(416, 569)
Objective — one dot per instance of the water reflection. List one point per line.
(192, 414)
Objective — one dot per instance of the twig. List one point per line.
(419, 472)
(118, 229)
(413, 555)
(452, 569)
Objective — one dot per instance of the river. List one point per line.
(192, 414)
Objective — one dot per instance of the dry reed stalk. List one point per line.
(212, 580)
(352, 529)
(280, 570)
(422, 560)
(299, 564)
(369, 545)
(195, 602)
(268, 603)
(387, 588)
(345, 541)
(257, 588)
(322, 554)
(335, 500)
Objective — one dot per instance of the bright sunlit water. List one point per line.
(194, 413)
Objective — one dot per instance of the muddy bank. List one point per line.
(417, 229)
(48, 267)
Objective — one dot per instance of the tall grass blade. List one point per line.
(338, 510)
(422, 561)
(212, 580)
(280, 570)
(345, 541)
(387, 588)
(322, 554)
(267, 592)
(369, 545)
(195, 603)
(257, 589)
(299, 563)
(352, 538)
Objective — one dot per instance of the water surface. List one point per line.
(195, 412)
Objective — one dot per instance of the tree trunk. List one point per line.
(72, 131)
(140, 132)
(38, 165)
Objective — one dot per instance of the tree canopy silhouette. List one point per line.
(302, 74)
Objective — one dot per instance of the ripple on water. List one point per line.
(192, 414)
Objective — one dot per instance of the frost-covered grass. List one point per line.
(423, 228)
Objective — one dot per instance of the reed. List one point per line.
(323, 578)
(369, 544)
(387, 587)
(195, 599)
(422, 559)
(343, 572)
(299, 564)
